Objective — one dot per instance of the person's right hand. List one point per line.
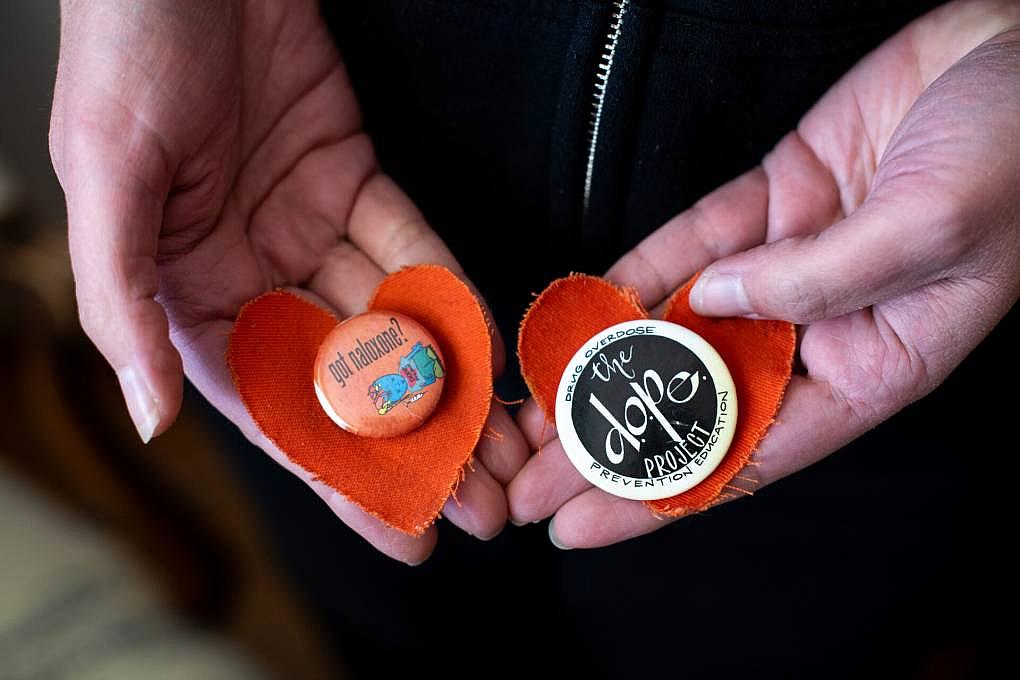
(213, 151)
(886, 225)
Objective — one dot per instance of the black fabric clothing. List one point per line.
(875, 561)
(481, 111)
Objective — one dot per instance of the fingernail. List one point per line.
(516, 523)
(554, 539)
(423, 560)
(489, 538)
(720, 295)
(141, 403)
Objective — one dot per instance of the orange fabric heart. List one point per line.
(404, 480)
(759, 355)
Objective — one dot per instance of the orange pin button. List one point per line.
(379, 374)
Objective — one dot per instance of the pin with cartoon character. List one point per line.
(379, 374)
(418, 369)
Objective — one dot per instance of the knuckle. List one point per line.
(93, 317)
(793, 297)
(702, 227)
(405, 237)
(953, 233)
(55, 146)
(106, 132)
(650, 274)
(955, 241)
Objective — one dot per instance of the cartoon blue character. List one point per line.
(418, 369)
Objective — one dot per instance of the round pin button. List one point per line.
(379, 374)
(646, 409)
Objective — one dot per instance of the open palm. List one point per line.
(211, 152)
(887, 225)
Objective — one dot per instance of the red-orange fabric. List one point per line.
(759, 355)
(567, 313)
(405, 480)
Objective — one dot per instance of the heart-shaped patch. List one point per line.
(403, 480)
(759, 355)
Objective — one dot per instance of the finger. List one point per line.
(346, 279)
(114, 218)
(502, 448)
(478, 506)
(811, 424)
(392, 232)
(912, 342)
(595, 519)
(202, 349)
(546, 482)
(814, 420)
(866, 258)
(728, 220)
(537, 430)
(411, 550)
(804, 197)
(901, 230)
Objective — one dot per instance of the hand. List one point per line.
(887, 224)
(211, 152)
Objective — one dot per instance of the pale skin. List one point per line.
(213, 151)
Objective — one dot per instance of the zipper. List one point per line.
(602, 74)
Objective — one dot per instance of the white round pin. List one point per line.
(646, 409)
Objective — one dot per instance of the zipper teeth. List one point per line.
(604, 69)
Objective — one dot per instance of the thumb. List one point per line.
(877, 253)
(114, 213)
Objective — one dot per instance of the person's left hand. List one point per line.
(887, 224)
